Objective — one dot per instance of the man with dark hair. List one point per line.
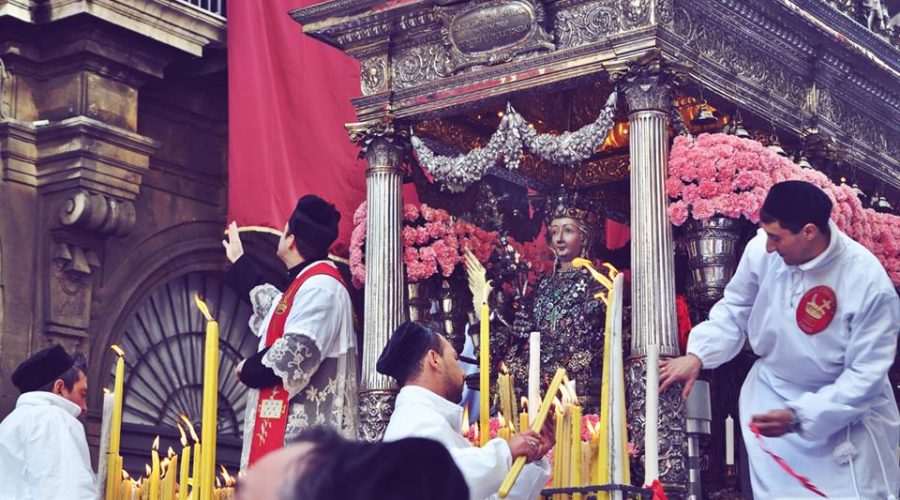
(305, 371)
(426, 366)
(43, 450)
(820, 311)
(321, 465)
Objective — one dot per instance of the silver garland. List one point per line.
(512, 137)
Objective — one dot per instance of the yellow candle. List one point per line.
(210, 404)
(536, 426)
(576, 449)
(115, 426)
(197, 452)
(154, 470)
(484, 382)
(185, 465)
(523, 415)
(171, 475)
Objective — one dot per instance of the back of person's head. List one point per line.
(410, 469)
(402, 356)
(314, 226)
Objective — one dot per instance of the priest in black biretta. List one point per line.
(794, 204)
(42, 369)
(404, 351)
(314, 226)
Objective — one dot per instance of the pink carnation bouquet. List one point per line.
(719, 174)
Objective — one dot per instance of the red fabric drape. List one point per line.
(288, 99)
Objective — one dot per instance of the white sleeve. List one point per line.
(58, 461)
(311, 333)
(531, 481)
(869, 355)
(721, 337)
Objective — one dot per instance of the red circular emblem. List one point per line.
(816, 310)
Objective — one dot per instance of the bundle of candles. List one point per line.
(163, 475)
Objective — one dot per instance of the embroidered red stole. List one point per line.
(272, 408)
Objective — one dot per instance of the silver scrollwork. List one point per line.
(420, 64)
(375, 408)
(584, 24)
(673, 452)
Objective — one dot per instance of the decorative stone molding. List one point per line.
(69, 288)
(98, 213)
(174, 24)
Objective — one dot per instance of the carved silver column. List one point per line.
(384, 275)
(652, 266)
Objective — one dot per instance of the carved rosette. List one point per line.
(673, 449)
(373, 76)
(375, 409)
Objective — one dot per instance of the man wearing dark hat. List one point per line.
(820, 311)
(305, 371)
(426, 367)
(43, 451)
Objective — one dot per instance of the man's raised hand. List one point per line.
(232, 243)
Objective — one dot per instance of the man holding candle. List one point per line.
(305, 370)
(820, 311)
(43, 450)
(426, 367)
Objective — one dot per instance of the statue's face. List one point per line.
(566, 238)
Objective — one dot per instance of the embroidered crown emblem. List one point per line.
(817, 311)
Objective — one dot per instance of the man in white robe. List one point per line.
(822, 314)
(314, 359)
(425, 366)
(43, 451)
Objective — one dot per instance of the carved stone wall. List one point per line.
(100, 154)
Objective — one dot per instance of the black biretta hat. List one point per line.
(314, 222)
(41, 368)
(408, 344)
(798, 203)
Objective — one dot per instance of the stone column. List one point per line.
(384, 275)
(648, 93)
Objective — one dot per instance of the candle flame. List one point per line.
(228, 478)
(500, 419)
(171, 452)
(118, 350)
(524, 403)
(464, 428)
(125, 475)
(184, 441)
(106, 391)
(164, 466)
(156, 444)
(202, 306)
(190, 427)
(503, 369)
(218, 483)
(147, 468)
(557, 405)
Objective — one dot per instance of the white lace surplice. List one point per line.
(316, 358)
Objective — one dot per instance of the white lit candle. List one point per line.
(651, 427)
(534, 375)
(729, 440)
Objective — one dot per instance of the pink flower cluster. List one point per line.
(719, 174)
(432, 243)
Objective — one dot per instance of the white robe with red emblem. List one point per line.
(834, 380)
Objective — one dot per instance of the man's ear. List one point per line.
(58, 387)
(292, 244)
(433, 359)
(810, 230)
